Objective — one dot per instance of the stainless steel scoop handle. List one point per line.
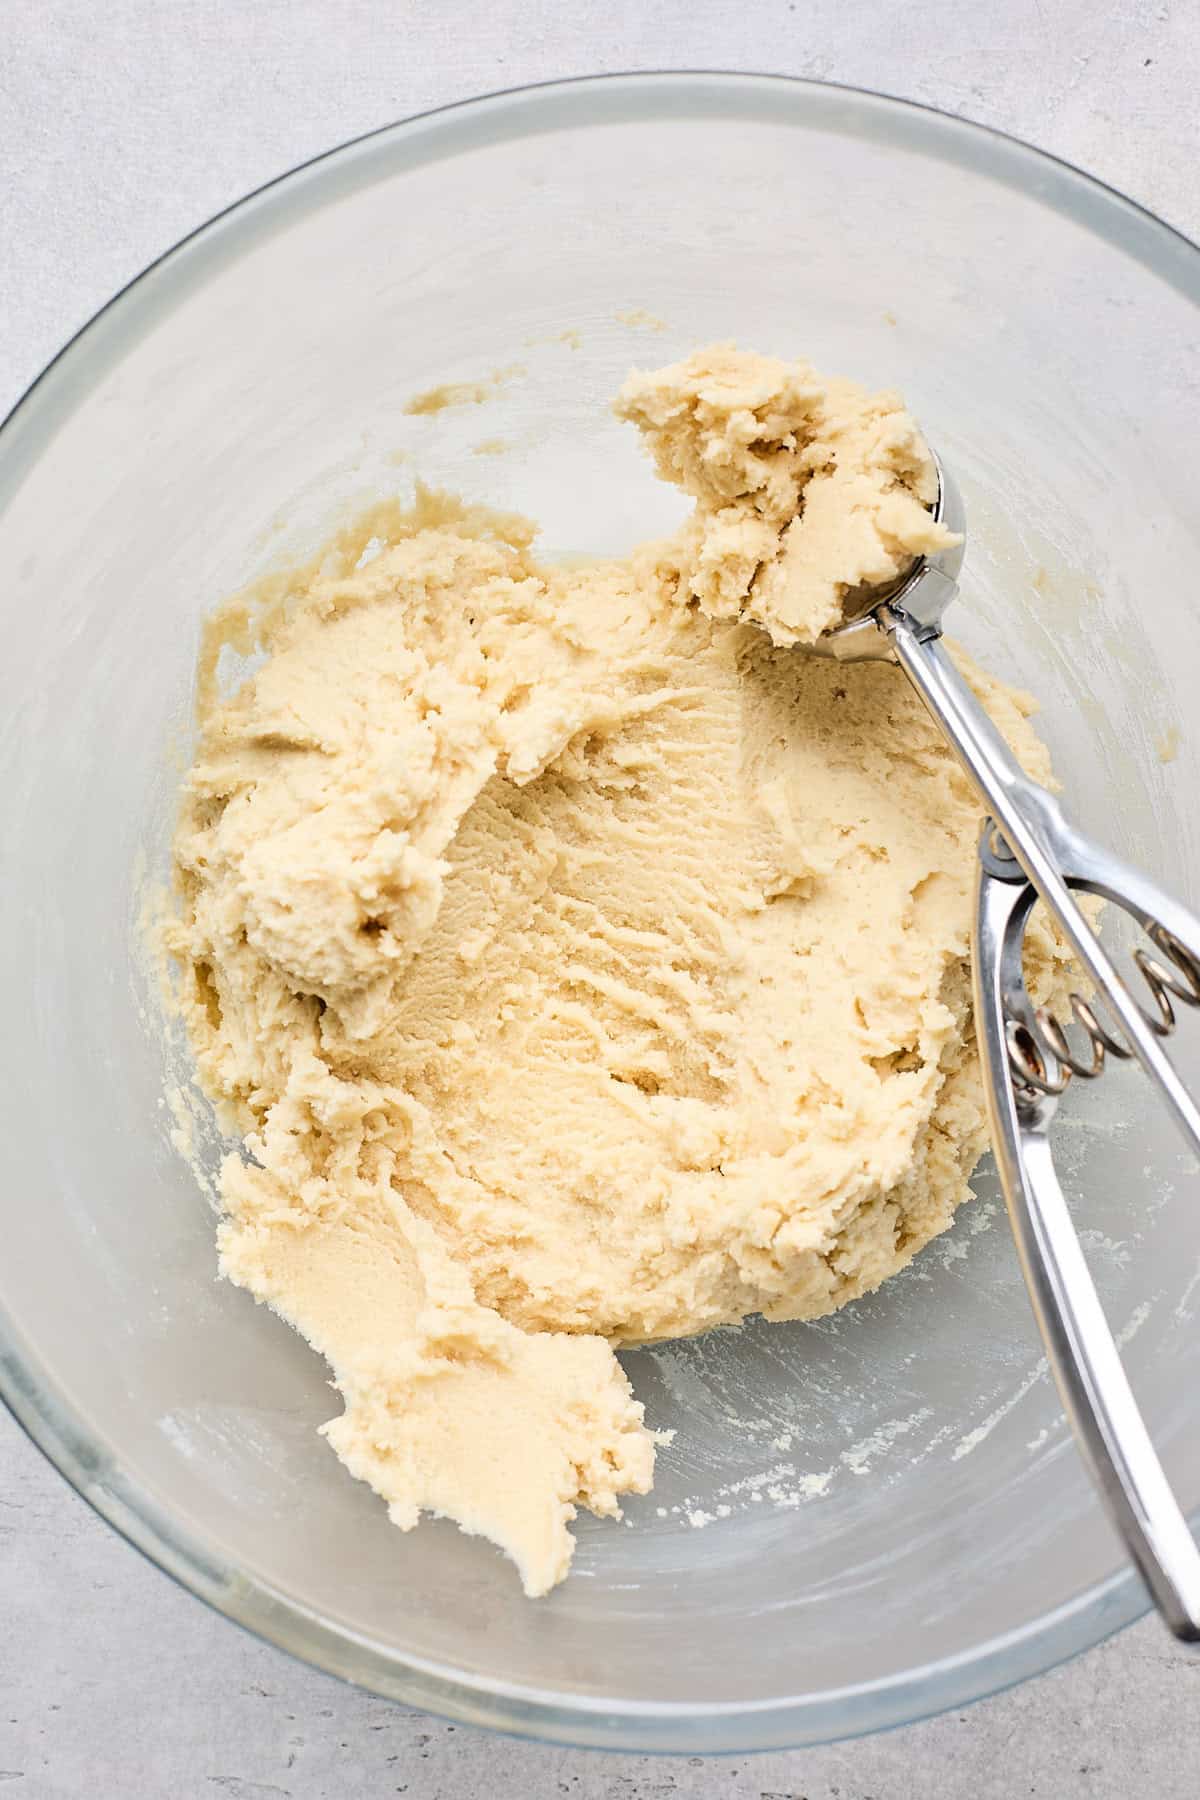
(1053, 856)
(1079, 1345)
(1030, 850)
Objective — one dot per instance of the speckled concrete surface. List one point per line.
(123, 126)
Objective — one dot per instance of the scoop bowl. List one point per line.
(859, 1521)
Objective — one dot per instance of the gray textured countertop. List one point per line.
(125, 125)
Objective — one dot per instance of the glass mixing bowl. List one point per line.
(861, 1520)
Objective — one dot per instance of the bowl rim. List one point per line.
(32, 1395)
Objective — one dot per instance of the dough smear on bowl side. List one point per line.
(579, 966)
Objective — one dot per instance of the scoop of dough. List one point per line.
(806, 489)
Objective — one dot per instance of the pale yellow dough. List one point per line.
(580, 967)
(808, 490)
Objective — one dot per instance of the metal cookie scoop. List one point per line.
(1029, 850)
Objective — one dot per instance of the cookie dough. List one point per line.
(809, 492)
(579, 966)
